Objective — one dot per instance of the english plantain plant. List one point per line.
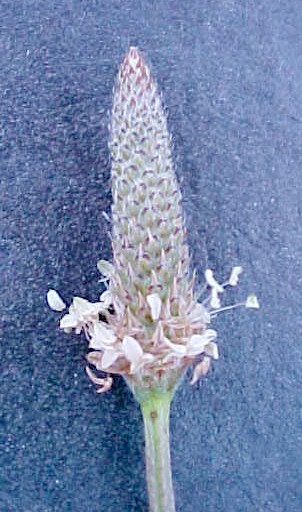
(148, 324)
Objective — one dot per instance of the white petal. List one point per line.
(102, 335)
(178, 349)
(211, 281)
(96, 343)
(211, 349)
(109, 357)
(236, 271)
(210, 334)
(68, 322)
(54, 301)
(215, 301)
(68, 330)
(198, 342)
(137, 365)
(132, 349)
(81, 306)
(154, 302)
(106, 298)
(96, 307)
(252, 302)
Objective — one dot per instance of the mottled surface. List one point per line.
(231, 78)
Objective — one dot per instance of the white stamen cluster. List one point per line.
(147, 325)
(128, 354)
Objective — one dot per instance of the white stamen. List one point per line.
(54, 301)
(233, 280)
(211, 281)
(252, 302)
(215, 301)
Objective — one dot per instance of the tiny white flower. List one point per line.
(85, 309)
(252, 302)
(211, 281)
(154, 302)
(81, 312)
(215, 301)
(236, 271)
(54, 301)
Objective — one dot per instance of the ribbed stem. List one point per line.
(156, 413)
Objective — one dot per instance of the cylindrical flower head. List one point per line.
(150, 254)
(155, 314)
(147, 325)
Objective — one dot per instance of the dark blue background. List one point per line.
(231, 77)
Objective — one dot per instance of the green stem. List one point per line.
(156, 413)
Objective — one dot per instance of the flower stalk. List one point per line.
(156, 413)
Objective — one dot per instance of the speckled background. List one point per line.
(231, 77)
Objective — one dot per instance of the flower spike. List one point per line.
(148, 325)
